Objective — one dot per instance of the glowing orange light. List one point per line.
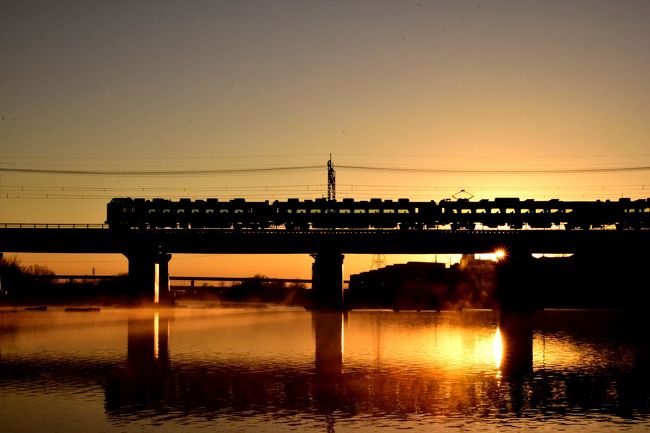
(500, 254)
(497, 347)
(156, 330)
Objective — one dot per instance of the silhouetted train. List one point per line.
(294, 214)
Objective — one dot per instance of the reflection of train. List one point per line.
(376, 213)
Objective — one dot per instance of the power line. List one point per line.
(314, 187)
(260, 170)
(187, 172)
(163, 158)
(493, 171)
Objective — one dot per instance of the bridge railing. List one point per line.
(51, 226)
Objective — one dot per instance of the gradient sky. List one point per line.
(166, 85)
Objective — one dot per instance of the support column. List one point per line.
(516, 286)
(327, 280)
(149, 275)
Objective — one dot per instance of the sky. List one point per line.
(195, 85)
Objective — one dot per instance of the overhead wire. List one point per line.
(187, 172)
(271, 169)
(494, 171)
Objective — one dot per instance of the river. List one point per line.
(280, 370)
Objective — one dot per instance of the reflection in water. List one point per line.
(142, 384)
(328, 342)
(497, 347)
(396, 370)
(517, 340)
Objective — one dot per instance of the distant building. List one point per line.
(424, 286)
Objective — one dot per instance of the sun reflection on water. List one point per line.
(156, 331)
(497, 348)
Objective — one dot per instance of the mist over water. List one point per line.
(290, 370)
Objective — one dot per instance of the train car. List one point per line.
(127, 213)
(293, 214)
(383, 214)
(633, 214)
(461, 214)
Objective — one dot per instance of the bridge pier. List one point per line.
(515, 289)
(149, 275)
(327, 280)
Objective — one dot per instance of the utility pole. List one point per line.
(331, 181)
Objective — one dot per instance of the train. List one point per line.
(295, 214)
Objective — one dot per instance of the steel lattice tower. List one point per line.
(331, 181)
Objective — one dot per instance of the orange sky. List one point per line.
(210, 85)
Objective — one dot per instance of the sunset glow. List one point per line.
(364, 82)
(343, 215)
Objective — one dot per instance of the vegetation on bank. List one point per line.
(256, 290)
(28, 285)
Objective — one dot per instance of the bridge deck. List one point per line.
(82, 239)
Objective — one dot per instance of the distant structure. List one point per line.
(378, 261)
(425, 286)
(331, 181)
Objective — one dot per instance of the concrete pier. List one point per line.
(149, 275)
(327, 280)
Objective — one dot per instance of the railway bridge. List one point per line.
(149, 250)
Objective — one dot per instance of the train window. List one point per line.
(239, 211)
(180, 211)
(167, 210)
(480, 211)
(196, 211)
(373, 210)
(315, 211)
(454, 211)
(510, 210)
(208, 211)
(359, 211)
(402, 211)
(554, 210)
(525, 211)
(223, 210)
(646, 210)
(493, 210)
(465, 211)
(289, 210)
(152, 210)
(301, 210)
(539, 210)
(344, 210)
(389, 210)
(568, 211)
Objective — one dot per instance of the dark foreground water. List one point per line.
(272, 370)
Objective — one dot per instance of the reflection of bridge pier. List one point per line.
(328, 341)
(327, 280)
(328, 385)
(517, 341)
(144, 381)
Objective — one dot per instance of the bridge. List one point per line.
(149, 251)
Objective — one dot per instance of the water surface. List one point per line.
(277, 370)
